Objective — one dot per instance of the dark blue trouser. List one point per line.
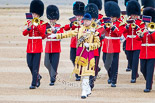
(73, 57)
(51, 63)
(92, 78)
(33, 61)
(113, 70)
(147, 69)
(124, 46)
(133, 57)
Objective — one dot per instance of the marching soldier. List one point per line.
(53, 47)
(147, 55)
(92, 9)
(111, 42)
(99, 19)
(78, 11)
(36, 32)
(124, 43)
(88, 41)
(132, 45)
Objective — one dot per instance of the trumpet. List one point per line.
(36, 21)
(151, 27)
(108, 25)
(94, 25)
(76, 23)
(133, 25)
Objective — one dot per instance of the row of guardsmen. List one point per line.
(89, 31)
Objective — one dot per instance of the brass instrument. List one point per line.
(94, 25)
(108, 25)
(151, 27)
(133, 25)
(36, 21)
(76, 23)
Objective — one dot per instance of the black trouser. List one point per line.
(51, 63)
(92, 78)
(147, 69)
(72, 58)
(97, 58)
(133, 57)
(124, 46)
(33, 61)
(113, 66)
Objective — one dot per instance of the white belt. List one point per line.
(148, 44)
(53, 39)
(112, 37)
(34, 37)
(131, 36)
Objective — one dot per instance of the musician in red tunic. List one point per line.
(133, 46)
(78, 11)
(111, 42)
(53, 46)
(147, 52)
(35, 32)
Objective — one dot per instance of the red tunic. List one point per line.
(53, 45)
(111, 43)
(101, 31)
(130, 34)
(73, 42)
(36, 34)
(147, 50)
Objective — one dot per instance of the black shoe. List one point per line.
(133, 80)
(113, 85)
(92, 86)
(147, 90)
(88, 94)
(128, 69)
(38, 83)
(51, 84)
(78, 79)
(32, 87)
(109, 81)
(83, 97)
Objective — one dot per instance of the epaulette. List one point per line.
(141, 23)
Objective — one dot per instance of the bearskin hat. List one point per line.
(52, 12)
(111, 0)
(92, 9)
(97, 2)
(112, 9)
(78, 8)
(133, 8)
(37, 6)
(125, 2)
(149, 11)
(148, 3)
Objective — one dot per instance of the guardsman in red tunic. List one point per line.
(35, 32)
(132, 45)
(147, 52)
(124, 43)
(99, 19)
(92, 9)
(53, 47)
(78, 11)
(111, 42)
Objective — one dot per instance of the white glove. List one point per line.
(86, 45)
(52, 36)
(92, 30)
(122, 39)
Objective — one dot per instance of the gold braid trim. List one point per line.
(85, 71)
(82, 61)
(67, 35)
(96, 44)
